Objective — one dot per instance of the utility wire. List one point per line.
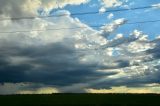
(141, 22)
(76, 14)
(115, 10)
(72, 28)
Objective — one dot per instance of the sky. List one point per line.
(58, 46)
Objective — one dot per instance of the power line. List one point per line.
(116, 10)
(76, 14)
(141, 22)
(72, 28)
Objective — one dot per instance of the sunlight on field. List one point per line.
(124, 89)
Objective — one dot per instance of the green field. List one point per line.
(81, 99)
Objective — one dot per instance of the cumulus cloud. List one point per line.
(89, 59)
(26, 8)
(109, 28)
(111, 3)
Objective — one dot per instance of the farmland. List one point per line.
(81, 100)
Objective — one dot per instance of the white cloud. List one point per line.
(110, 16)
(141, 42)
(26, 8)
(44, 37)
(19, 8)
(102, 10)
(109, 28)
(50, 4)
(111, 3)
(156, 5)
(158, 37)
(118, 36)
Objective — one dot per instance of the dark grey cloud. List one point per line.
(59, 64)
(54, 64)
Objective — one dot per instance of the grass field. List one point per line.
(81, 100)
